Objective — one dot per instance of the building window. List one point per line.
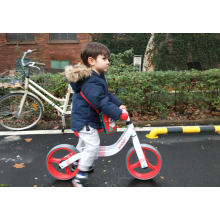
(63, 36)
(20, 37)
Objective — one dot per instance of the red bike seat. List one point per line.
(76, 133)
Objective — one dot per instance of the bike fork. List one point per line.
(139, 150)
(22, 102)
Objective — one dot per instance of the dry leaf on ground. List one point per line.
(162, 177)
(28, 139)
(56, 127)
(19, 165)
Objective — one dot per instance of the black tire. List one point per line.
(31, 114)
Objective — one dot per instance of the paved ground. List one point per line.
(187, 160)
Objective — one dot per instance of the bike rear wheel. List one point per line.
(153, 158)
(56, 156)
(9, 108)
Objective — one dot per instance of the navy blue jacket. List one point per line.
(95, 89)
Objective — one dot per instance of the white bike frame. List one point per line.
(61, 109)
(110, 150)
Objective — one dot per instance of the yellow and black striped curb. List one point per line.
(194, 129)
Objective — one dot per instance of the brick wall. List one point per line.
(47, 50)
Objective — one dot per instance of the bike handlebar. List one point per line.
(124, 116)
(40, 64)
(31, 63)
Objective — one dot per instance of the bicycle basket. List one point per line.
(11, 79)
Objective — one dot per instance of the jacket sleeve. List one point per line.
(114, 99)
(100, 101)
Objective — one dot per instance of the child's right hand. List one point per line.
(124, 111)
(123, 106)
(124, 114)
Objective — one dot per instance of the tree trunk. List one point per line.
(147, 62)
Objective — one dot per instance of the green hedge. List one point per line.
(150, 92)
(174, 53)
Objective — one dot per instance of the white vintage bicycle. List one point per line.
(144, 164)
(21, 109)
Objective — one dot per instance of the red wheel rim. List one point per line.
(54, 172)
(154, 168)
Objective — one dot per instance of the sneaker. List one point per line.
(74, 167)
(80, 180)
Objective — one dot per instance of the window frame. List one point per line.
(23, 41)
(62, 41)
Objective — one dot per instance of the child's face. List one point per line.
(100, 64)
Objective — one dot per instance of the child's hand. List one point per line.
(124, 111)
(122, 106)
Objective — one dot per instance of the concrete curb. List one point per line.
(161, 123)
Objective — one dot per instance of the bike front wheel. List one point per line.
(56, 156)
(153, 158)
(10, 118)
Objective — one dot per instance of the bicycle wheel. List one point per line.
(56, 156)
(9, 108)
(152, 157)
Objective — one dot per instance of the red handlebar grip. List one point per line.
(124, 116)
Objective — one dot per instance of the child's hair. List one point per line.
(93, 49)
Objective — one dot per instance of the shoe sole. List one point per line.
(83, 184)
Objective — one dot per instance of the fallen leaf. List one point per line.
(56, 127)
(28, 139)
(105, 166)
(19, 148)
(162, 177)
(19, 165)
(36, 178)
(104, 141)
(104, 170)
(148, 125)
(105, 182)
(109, 161)
(210, 138)
(192, 118)
(35, 185)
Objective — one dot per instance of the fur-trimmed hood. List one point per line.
(77, 73)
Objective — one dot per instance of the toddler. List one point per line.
(90, 79)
